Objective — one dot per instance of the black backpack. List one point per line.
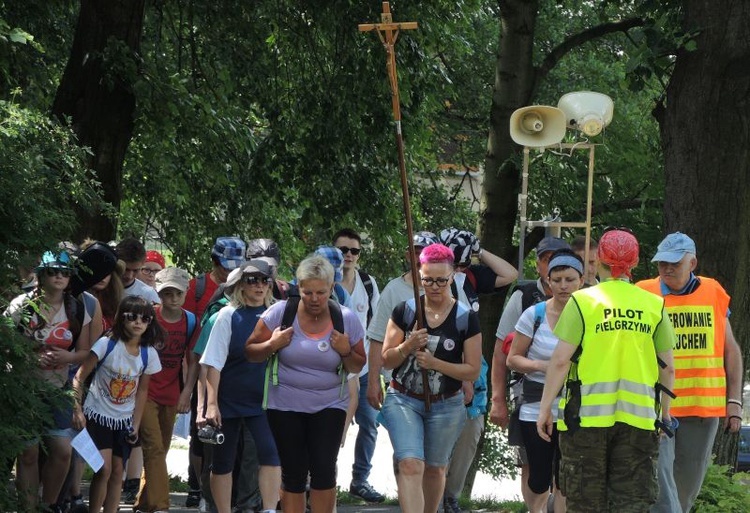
(531, 294)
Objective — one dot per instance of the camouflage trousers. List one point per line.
(609, 469)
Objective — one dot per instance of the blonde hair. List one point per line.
(315, 267)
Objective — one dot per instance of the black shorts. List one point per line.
(109, 438)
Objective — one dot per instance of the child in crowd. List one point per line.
(153, 264)
(165, 399)
(114, 405)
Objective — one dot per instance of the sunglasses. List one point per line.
(353, 251)
(440, 282)
(54, 271)
(131, 317)
(254, 280)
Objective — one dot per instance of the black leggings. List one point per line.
(543, 457)
(308, 442)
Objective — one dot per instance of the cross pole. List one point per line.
(388, 32)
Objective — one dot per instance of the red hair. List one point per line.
(436, 254)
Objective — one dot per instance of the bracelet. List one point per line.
(401, 351)
(735, 417)
(735, 401)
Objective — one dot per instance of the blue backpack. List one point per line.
(111, 346)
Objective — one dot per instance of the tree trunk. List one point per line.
(514, 84)
(96, 93)
(514, 80)
(705, 134)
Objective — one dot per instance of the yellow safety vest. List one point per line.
(700, 322)
(617, 368)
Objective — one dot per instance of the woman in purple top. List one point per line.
(307, 401)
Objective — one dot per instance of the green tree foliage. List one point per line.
(272, 119)
(24, 403)
(42, 178)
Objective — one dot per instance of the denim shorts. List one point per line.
(427, 436)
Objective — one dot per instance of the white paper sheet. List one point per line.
(84, 445)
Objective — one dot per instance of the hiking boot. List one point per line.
(193, 499)
(366, 491)
(450, 505)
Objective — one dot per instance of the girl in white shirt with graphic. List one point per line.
(114, 404)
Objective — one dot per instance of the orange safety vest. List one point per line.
(700, 322)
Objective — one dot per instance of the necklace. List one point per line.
(438, 314)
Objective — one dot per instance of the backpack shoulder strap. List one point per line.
(110, 347)
(200, 287)
(290, 312)
(367, 282)
(336, 316)
(144, 358)
(410, 314)
(292, 290)
(80, 315)
(540, 310)
(191, 322)
(471, 278)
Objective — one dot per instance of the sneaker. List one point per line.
(193, 499)
(450, 505)
(77, 505)
(366, 491)
(130, 491)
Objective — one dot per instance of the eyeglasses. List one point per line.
(150, 272)
(353, 251)
(54, 271)
(440, 282)
(131, 317)
(254, 280)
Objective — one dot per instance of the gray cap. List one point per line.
(550, 244)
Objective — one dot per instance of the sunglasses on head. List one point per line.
(440, 282)
(54, 271)
(254, 280)
(131, 317)
(353, 251)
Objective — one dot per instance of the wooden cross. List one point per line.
(388, 34)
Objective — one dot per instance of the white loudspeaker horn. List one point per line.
(587, 111)
(537, 126)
